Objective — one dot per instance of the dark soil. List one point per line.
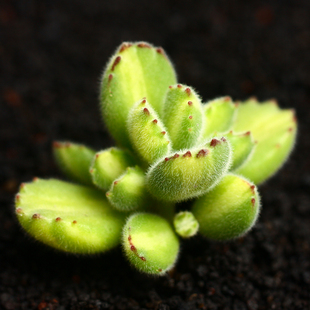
(51, 57)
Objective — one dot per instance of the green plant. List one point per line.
(170, 148)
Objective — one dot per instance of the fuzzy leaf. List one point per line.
(185, 224)
(68, 217)
(128, 192)
(242, 145)
(150, 243)
(74, 160)
(189, 173)
(219, 115)
(229, 210)
(136, 70)
(183, 116)
(147, 133)
(108, 165)
(274, 131)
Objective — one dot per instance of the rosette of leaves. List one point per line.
(170, 148)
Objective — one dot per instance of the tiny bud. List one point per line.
(155, 121)
(190, 103)
(190, 117)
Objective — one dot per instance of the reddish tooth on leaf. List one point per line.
(214, 142)
(146, 111)
(202, 153)
(116, 62)
(253, 201)
(179, 86)
(190, 103)
(115, 182)
(190, 117)
(247, 133)
(166, 158)
(223, 139)
(187, 154)
(176, 155)
(110, 77)
(36, 216)
(17, 197)
(35, 179)
(170, 86)
(56, 144)
(163, 133)
(142, 258)
(133, 248)
(227, 98)
(74, 222)
(290, 129)
(58, 219)
(252, 188)
(155, 121)
(143, 101)
(144, 45)
(19, 210)
(124, 47)
(188, 91)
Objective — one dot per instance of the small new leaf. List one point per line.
(183, 116)
(74, 160)
(108, 165)
(147, 133)
(128, 192)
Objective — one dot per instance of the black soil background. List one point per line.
(51, 58)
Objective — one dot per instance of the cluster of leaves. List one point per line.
(171, 148)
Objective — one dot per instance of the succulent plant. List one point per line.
(170, 148)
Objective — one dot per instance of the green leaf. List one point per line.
(150, 243)
(137, 70)
(229, 210)
(128, 192)
(109, 164)
(147, 133)
(243, 146)
(185, 224)
(183, 116)
(219, 115)
(74, 160)
(274, 131)
(191, 173)
(68, 217)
